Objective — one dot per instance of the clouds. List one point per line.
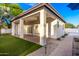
(31, 4)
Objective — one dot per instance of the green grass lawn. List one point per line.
(13, 46)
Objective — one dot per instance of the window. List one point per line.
(57, 23)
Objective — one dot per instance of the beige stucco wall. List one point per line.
(34, 29)
(50, 31)
(58, 31)
(54, 33)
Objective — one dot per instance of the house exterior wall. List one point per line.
(35, 29)
(51, 31)
(57, 32)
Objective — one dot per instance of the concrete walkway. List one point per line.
(51, 45)
(64, 48)
(61, 47)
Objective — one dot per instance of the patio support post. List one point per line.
(42, 27)
(13, 28)
(21, 28)
(49, 29)
(63, 29)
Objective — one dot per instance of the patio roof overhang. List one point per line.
(47, 5)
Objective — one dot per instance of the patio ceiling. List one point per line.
(34, 19)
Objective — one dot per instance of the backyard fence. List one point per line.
(3, 31)
(72, 31)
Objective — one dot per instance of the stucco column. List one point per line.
(63, 28)
(49, 29)
(42, 27)
(21, 28)
(13, 28)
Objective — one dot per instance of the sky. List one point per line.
(70, 16)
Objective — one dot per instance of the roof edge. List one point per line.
(37, 6)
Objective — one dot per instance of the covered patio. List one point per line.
(38, 23)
